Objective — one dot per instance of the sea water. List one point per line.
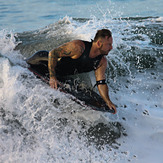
(39, 124)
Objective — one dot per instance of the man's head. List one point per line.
(104, 41)
(102, 34)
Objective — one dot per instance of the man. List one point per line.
(81, 56)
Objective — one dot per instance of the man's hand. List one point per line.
(112, 107)
(53, 82)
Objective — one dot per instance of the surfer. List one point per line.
(80, 56)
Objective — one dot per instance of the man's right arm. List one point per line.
(62, 51)
(52, 62)
(71, 49)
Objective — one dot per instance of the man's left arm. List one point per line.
(102, 86)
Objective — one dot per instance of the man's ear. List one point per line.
(99, 44)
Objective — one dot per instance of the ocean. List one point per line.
(39, 124)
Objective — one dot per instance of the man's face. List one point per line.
(106, 45)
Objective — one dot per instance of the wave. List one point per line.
(39, 123)
(137, 40)
(147, 18)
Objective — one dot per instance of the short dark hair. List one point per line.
(102, 34)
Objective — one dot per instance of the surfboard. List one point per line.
(85, 97)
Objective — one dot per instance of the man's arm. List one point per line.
(52, 62)
(71, 49)
(54, 55)
(103, 88)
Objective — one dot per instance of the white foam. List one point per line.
(7, 45)
(159, 19)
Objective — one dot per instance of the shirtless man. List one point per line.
(81, 56)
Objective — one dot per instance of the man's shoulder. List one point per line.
(73, 44)
(78, 42)
(76, 47)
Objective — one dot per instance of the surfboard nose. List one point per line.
(37, 57)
